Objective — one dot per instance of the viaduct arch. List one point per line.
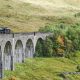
(14, 48)
(7, 55)
(29, 50)
(18, 51)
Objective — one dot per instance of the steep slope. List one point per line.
(30, 15)
(19, 16)
(54, 4)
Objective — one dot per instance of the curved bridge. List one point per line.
(14, 48)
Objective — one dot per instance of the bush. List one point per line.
(78, 68)
(77, 14)
(13, 78)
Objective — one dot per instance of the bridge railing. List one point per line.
(10, 35)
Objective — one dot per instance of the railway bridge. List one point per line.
(15, 47)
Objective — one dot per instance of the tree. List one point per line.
(48, 52)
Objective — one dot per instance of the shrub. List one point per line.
(13, 78)
(78, 68)
(77, 14)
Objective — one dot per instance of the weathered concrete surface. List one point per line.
(14, 48)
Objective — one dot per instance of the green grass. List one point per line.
(44, 69)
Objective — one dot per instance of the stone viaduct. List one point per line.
(15, 47)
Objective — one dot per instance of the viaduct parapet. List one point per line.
(14, 48)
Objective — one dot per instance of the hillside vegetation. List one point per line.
(30, 15)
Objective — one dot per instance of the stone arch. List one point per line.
(8, 56)
(18, 51)
(39, 39)
(39, 46)
(29, 50)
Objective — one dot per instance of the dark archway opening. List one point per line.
(29, 51)
(1, 67)
(0, 54)
(39, 50)
(19, 51)
(8, 56)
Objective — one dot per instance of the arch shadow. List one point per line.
(18, 51)
(39, 48)
(8, 56)
(29, 50)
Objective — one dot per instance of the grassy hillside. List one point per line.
(28, 15)
(73, 2)
(45, 69)
(51, 4)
